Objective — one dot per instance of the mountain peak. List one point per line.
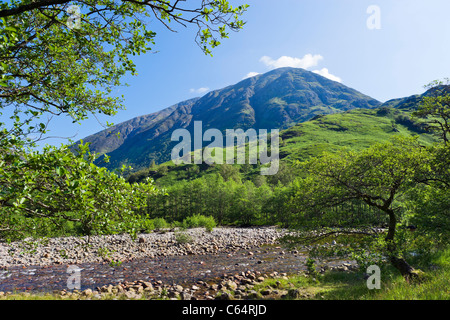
(277, 99)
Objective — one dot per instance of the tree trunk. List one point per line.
(392, 225)
(400, 264)
(408, 272)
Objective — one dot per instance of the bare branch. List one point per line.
(29, 6)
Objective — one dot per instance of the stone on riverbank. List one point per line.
(117, 248)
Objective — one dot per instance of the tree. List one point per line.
(285, 175)
(435, 109)
(377, 176)
(162, 170)
(430, 201)
(62, 57)
(430, 212)
(229, 172)
(57, 186)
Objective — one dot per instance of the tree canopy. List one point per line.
(64, 57)
(377, 176)
(435, 109)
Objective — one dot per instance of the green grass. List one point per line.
(436, 286)
(356, 130)
(338, 285)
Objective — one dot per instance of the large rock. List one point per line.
(231, 285)
(185, 296)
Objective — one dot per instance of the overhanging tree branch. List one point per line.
(29, 7)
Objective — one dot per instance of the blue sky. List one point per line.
(409, 50)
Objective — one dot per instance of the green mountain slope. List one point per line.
(133, 138)
(354, 130)
(276, 100)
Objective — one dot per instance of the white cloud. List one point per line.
(251, 74)
(306, 62)
(325, 73)
(199, 90)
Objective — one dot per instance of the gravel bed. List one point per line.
(120, 248)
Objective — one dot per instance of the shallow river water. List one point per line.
(168, 269)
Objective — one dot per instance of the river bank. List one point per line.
(189, 264)
(121, 248)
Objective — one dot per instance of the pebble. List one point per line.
(116, 248)
(121, 247)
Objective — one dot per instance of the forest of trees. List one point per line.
(232, 199)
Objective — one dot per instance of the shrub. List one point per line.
(182, 238)
(411, 124)
(147, 225)
(197, 221)
(311, 267)
(160, 223)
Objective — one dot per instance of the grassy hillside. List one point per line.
(278, 99)
(354, 129)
